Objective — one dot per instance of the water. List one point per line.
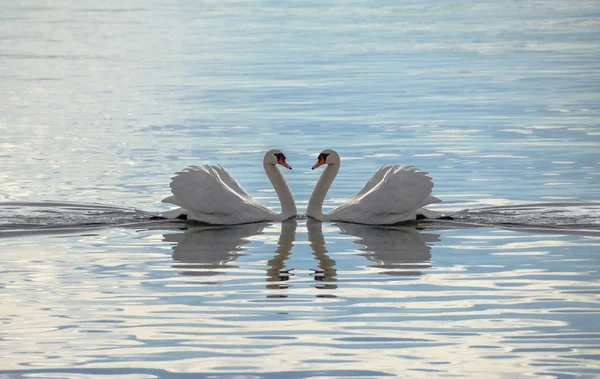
(103, 102)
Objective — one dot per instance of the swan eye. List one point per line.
(323, 157)
(281, 160)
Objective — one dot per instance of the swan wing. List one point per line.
(230, 181)
(394, 197)
(377, 177)
(211, 195)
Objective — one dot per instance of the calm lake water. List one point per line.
(101, 102)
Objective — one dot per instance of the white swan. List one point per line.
(394, 194)
(209, 194)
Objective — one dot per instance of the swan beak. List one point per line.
(319, 163)
(282, 162)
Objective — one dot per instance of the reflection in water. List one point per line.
(405, 250)
(326, 272)
(202, 249)
(275, 272)
(494, 295)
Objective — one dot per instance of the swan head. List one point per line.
(328, 157)
(275, 157)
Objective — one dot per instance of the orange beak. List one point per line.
(319, 163)
(282, 162)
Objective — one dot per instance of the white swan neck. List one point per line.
(286, 199)
(315, 204)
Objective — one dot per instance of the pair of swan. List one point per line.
(209, 194)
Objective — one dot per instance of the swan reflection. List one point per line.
(276, 275)
(326, 272)
(208, 250)
(202, 249)
(402, 249)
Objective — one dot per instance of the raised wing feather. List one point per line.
(210, 194)
(393, 197)
(230, 181)
(379, 174)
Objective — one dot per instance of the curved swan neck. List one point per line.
(315, 204)
(286, 199)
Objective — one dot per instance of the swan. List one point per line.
(209, 194)
(394, 194)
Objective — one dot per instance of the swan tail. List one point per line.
(432, 200)
(174, 213)
(428, 213)
(170, 200)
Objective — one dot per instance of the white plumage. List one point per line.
(209, 194)
(394, 194)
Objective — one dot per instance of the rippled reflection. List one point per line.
(405, 251)
(117, 298)
(202, 249)
(208, 251)
(276, 275)
(326, 272)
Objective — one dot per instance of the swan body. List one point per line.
(394, 194)
(209, 194)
